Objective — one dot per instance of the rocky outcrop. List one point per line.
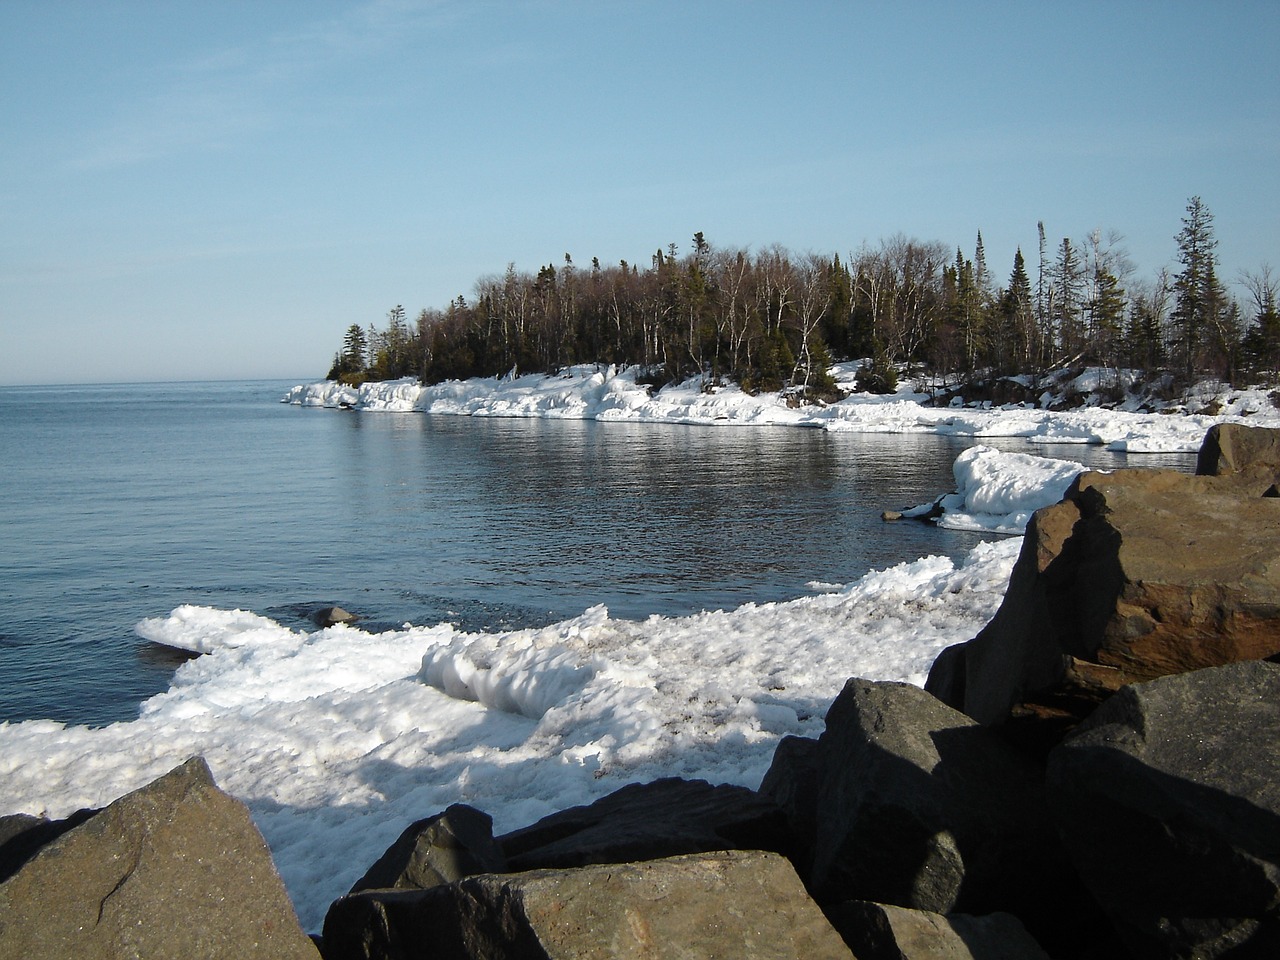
(877, 931)
(440, 849)
(648, 821)
(1134, 575)
(1169, 800)
(175, 869)
(737, 904)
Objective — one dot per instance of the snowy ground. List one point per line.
(591, 393)
(337, 739)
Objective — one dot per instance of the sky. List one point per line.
(198, 190)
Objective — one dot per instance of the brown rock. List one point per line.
(1230, 448)
(175, 869)
(747, 905)
(1135, 575)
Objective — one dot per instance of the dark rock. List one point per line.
(439, 849)
(877, 931)
(792, 782)
(175, 869)
(739, 904)
(1168, 798)
(648, 821)
(1135, 575)
(917, 805)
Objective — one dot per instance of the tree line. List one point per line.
(774, 320)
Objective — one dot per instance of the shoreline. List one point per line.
(606, 394)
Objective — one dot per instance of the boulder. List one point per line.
(748, 905)
(917, 805)
(439, 849)
(649, 821)
(1134, 575)
(877, 931)
(1232, 448)
(1168, 799)
(174, 869)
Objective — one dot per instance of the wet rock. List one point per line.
(331, 616)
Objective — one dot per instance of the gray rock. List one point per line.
(175, 869)
(1168, 798)
(331, 616)
(439, 849)
(917, 805)
(22, 836)
(877, 931)
(648, 821)
(746, 905)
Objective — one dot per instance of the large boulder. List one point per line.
(1233, 448)
(743, 904)
(648, 821)
(878, 931)
(917, 805)
(1168, 798)
(1134, 575)
(175, 869)
(439, 849)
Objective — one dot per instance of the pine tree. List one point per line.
(1015, 343)
(1197, 294)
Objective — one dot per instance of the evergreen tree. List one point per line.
(1106, 317)
(1015, 342)
(1197, 294)
(1068, 285)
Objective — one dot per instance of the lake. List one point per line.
(122, 502)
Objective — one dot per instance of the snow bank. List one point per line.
(590, 392)
(997, 492)
(338, 738)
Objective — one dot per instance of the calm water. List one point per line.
(122, 502)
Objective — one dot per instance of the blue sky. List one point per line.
(217, 190)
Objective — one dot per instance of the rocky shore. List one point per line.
(1094, 775)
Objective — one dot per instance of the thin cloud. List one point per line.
(223, 97)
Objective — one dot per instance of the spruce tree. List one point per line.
(1197, 293)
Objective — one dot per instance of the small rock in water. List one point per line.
(330, 616)
(890, 515)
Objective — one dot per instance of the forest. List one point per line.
(773, 320)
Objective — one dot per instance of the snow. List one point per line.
(591, 392)
(337, 739)
(997, 492)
